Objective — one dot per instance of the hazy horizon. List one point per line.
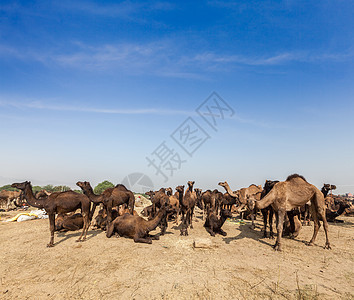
(92, 91)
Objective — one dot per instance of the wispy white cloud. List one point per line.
(58, 107)
(162, 58)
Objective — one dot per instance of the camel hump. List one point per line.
(294, 176)
(121, 186)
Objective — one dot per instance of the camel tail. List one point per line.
(266, 201)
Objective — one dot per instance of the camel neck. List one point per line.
(152, 224)
(91, 195)
(31, 199)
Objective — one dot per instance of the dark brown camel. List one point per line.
(65, 222)
(292, 193)
(59, 202)
(111, 197)
(268, 212)
(326, 188)
(208, 201)
(187, 207)
(159, 199)
(136, 227)
(213, 223)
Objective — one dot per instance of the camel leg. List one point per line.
(271, 213)
(52, 229)
(138, 239)
(222, 232)
(191, 217)
(280, 220)
(210, 230)
(265, 217)
(252, 218)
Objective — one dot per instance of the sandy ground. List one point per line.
(242, 265)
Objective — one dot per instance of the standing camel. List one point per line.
(187, 206)
(292, 193)
(111, 197)
(58, 203)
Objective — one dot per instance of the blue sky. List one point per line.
(89, 90)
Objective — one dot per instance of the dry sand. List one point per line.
(242, 265)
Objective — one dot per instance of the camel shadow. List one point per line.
(66, 236)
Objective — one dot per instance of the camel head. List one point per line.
(190, 185)
(83, 184)
(21, 186)
(223, 184)
(329, 187)
(150, 194)
(180, 189)
(198, 192)
(226, 213)
(169, 191)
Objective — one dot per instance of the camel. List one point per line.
(42, 194)
(213, 224)
(326, 188)
(208, 202)
(136, 227)
(64, 222)
(59, 202)
(243, 195)
(101, 218)
(292, 224)
(111, 197)
(230, 198)
(292, 193)
(341, 206)
(268, 212)
(6, 197)
(174, 201)
(158, 200)
(124, 210)
(147, 212)
(187, 207)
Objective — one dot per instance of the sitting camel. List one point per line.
(59, 202)
(213, 223)
(6, 197)
(135, 227)
(101, 218)
(66, 222)
(292, 193)
(111, 197)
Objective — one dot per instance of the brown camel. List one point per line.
(59, 202)
(69, 222)
(174, 201)
(187, 207)
(42, 194)
(100, 221)
(6, 197)
(124, 210)
(292, 193)
(136, 227)
(208, 202)
(230, 198)
(213, 223)
(111, 197)
(159, 199)
(243, 195)
(292, 224)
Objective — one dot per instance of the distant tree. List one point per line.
(102, 187)
(61, 188)
(48, 188)
(8, 187)
(37, 188)
(78, 191)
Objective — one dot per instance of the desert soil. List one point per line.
(242, 265)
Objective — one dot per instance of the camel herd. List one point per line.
(289, 200)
